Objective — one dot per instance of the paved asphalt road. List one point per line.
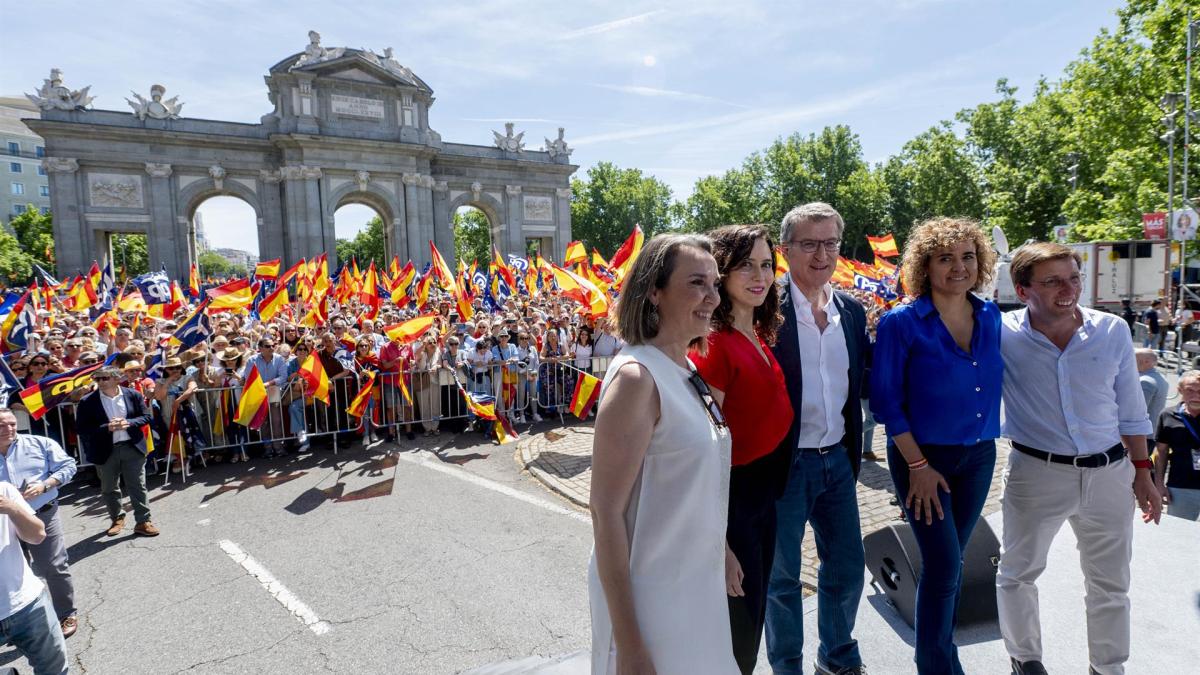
(407, 562)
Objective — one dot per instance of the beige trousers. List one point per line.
(1098, 503)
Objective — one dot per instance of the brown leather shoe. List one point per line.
(69, 626)
(117, 525)
(870, 456)
(146, 529)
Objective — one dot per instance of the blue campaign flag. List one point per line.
(108, 284)
(6, 306)
(155, 370)
(195, 330)
(877, 286)
(517, 262)
(46, 276)
(479, 279)
(155, 287)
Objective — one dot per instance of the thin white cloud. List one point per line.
(609, 26)
(502, 120)
(654, 92)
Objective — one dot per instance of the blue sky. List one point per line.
(679, 89)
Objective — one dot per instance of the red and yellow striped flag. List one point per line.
(410, 330)
(236, 294)
(587, 390)
(885, 246)
(576, 253)
(316, 381)
(358, 407)
(252, 408)
(267, 269)
(273, 303)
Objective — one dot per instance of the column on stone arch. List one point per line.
(412, 216)
(273, 241)
(73, 245)
(303, 217)
(443, 233)
(515, 235)
(166, 236)
(562, 222)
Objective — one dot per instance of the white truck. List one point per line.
(1112, 271)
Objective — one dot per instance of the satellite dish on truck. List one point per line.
(1000, 240)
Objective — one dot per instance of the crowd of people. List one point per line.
(734, 420)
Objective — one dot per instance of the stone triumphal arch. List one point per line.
(348, 126)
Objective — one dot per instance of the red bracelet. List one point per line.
(1142, 464)
(919, 464)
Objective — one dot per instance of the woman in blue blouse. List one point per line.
(935, 386)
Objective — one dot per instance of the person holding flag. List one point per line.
(935, 386)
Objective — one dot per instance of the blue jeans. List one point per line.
(968, 471)
(296, 415)
(35, 632)
(821, 490)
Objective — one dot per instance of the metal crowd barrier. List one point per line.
(519, 392)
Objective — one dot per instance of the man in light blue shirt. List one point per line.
(38, 466)
(1077, 420)
(273, 369)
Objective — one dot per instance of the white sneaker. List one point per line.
(537, 417)
(519, 419)
(302, 438)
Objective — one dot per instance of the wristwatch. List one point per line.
(1142, 464)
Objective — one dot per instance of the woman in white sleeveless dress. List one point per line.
(660, 479)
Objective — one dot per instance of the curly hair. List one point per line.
(732, 245)
(937, 234)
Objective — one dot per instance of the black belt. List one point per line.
(823, 449)
(1095, 461)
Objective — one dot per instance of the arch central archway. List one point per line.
(218, 222)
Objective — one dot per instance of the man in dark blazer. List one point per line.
(113, 422)
(823, 350)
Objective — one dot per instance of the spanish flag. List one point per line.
(316, 381)
(320, 275)
(885, 246)
(82, 295)
(587, 390)
(781, 263)
(267, 269)
(95, 275)
(358, 407)
(622, 260)
(194, 281)
(504, 431)
(843, 273)
(236, 294)
(407, 331)
(270, 305)
(423, 287)
(132, 302)
(577, 288)
(576, 253)
(49, 391)
(485, 411)
(291, 272)
(884, 267)
(252, 408)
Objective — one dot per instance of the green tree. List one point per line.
(15, 265)
(366, 246)
(35, 233)
(211, 264)
(129, 251)
(607, 204)
(472, 237)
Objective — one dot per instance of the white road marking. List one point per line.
(203, 506)
(204, 521)
(277, 590)
(424, 459)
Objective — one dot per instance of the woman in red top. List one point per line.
(748, 384)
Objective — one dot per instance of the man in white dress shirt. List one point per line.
(1077, 420)
(822, 349)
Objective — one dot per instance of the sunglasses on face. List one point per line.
(101, 378)
(39, 363)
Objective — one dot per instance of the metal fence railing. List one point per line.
(401, 402)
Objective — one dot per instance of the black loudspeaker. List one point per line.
(894, 562)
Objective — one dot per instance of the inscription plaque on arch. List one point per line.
(354, 106)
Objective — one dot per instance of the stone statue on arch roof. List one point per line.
(315, 53)
(155, 107)
(509, 142)
(558, 147)
(53, 95)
